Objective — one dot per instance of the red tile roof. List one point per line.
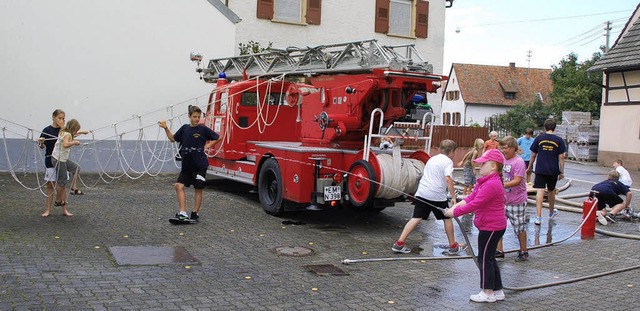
(486, 85)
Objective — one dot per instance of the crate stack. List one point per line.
(581, 135)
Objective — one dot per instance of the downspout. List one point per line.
(465, 110)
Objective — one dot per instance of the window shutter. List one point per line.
(382, 16)
(422, 19)
(313, 12)
(265, 9)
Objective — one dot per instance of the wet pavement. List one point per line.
(120, 252)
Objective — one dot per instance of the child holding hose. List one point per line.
(487, 202)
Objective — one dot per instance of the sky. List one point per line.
(497, 32)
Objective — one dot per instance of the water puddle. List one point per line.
(151, 255)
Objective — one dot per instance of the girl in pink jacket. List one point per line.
(487, 202)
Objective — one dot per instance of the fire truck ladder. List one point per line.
(349, 57)
(423, 125)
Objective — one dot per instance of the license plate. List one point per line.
(332, 193)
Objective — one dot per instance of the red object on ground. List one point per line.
(589, 228)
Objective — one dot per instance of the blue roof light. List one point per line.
(417, 98)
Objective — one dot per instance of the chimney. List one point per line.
(512, 66)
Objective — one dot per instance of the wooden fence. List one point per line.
(464, 136)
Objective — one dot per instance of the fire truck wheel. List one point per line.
(270, 187)
(361, 184)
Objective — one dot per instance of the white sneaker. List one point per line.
(483, 297)
(499, 294)
(602, 220)
(538, 220)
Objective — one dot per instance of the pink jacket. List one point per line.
(487, 202)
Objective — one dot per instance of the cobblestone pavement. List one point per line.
(60, 263)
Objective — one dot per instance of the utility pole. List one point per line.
(607, 34)
(528, 62)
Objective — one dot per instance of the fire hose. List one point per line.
(475, 259)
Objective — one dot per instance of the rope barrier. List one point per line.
(111, 156)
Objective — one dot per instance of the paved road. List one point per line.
(60, 263)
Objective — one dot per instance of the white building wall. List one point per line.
(620, 128)
(620, 124)
(104, 61)
(478, 113)
(342, 21)
(452, 106)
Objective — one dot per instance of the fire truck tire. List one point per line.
(361, 184)
(270, 190)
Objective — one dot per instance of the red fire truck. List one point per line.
(322, 126)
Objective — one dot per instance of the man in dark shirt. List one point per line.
(608, 193)
(547, 152)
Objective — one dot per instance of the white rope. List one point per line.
(113, 160)
(12, 169)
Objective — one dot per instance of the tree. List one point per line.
(253, 47)
(522, 116)
(573, 88)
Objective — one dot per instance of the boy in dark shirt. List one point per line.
(608, 193)
(547, 152)
(194, 139)
(47, 141)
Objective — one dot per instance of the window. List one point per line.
(276, 99)
(446, 118)
(249, 99)
(456, 118)
(224, 100)
(294, 11)
(452, 95)
(510, 95)
(288, 11)
(400, 17)
(408, 18)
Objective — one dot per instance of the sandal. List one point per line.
(76, 192)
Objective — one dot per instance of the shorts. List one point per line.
(550, 181)
(50, 174)
(469, 177)
(424, 207)
(197, 178)
(605, 199)
(61, 171)
(516, 214)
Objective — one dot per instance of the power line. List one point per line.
(549, 19)
(595, 28)
(592, 33)
(594, 39)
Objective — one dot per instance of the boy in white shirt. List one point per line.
(431, 196)
(625, 177)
